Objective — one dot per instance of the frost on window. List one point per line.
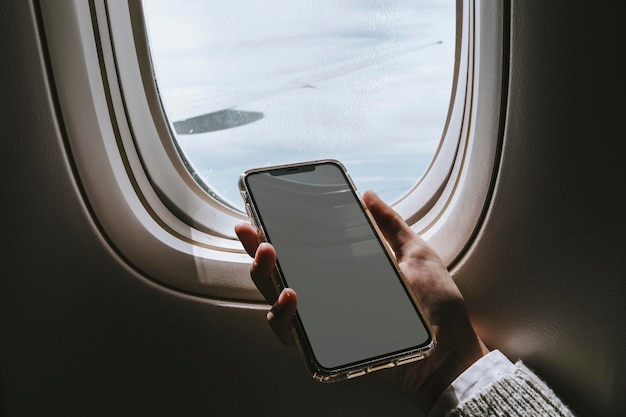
(256, 83)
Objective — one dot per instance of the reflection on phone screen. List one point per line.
(351, 301)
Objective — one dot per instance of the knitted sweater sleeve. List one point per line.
(520, 394)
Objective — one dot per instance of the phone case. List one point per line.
(317, 371)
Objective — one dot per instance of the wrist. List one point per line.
(455, 364)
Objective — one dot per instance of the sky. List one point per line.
(365, 82)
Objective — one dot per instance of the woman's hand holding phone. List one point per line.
(458, 344)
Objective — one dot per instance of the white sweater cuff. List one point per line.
(482, 373)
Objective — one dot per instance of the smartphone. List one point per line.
(356, 313)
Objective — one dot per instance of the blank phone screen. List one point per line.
(352, 303)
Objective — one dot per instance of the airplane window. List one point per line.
(255, 83)
(409, 95)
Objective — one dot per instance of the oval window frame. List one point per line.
(163, 221)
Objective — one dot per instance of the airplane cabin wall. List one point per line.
(83, 333)
(544, 278)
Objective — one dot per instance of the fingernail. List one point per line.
(288, 294)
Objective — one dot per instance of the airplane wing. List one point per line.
(206, 108)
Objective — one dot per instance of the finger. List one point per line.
(281, 314)
(391, 224)
(262, 269)
(264, 260)
(248, 236)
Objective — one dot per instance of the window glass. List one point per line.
(252, 83)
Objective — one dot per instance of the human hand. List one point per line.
(458, 346)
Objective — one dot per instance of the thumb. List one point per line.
(393, 227)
